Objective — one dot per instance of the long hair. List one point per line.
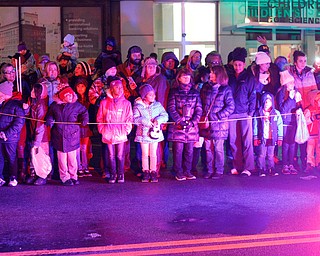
(221, 75)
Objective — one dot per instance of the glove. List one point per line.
(298, 97)
(292, 94)
(256, 143)
(49, 122)
(279, 143)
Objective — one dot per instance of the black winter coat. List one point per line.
(222, 107)
(66, 137)
(11, 125)
(243, 91)
(184, 105)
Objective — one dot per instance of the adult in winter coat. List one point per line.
(169, 65)
(115, 123)
(65, 137)
(10, 127)
(218, 105)
(304, 82)
(243, 89)
(149, 114)
(185, 110)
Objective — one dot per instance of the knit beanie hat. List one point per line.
(22, 46)
(69, 38)
(145, 89)
(65, 90)
(240, 54)
(107, 63)
(285, 77)
(6, 88)
(264, 48)
(85, 67)
(262, 58)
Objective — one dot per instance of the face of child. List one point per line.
(268, 104)
(290, 86)
(81, 89)
(52, 71)
(10, 74)
(116, 88)
(66, 43)
(184, 79)
(68, 97)
(238, 66)
(111, 71)
(264, 67)
(150, 97)
(213, 77)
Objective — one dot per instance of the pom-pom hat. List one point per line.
(69, 38)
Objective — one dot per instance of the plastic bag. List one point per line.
(41, 162)
(302, 133)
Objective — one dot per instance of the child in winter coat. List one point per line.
(70, 48)
(65, 135)
(149, 114)
(268, 131)
(288, 101)
(40, 133)
(115, 123)
(312, 115)
(84, 153)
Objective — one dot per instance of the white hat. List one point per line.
(69, 38)
(262, 58)
(286, 77)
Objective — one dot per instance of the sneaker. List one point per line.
(87, 173)
(112, 179)
(262, 173)
(180, 177)
(103, 175)
(146, 177)
(68, 183)
(190, 176)
(208, 175)
(234, 171)
(13, 182)
(293, 170)
(121, 178)
(246, 173)
(40, 182)
(75, 182)
(286, 170)
(2, 182)
(273, 172)
(154, 177)
(217, 176)
(80, 173)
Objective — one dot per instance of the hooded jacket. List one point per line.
(117, 111)
(66, 137)
(276, 124)
(142, 116)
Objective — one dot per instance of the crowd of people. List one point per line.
(241, 120)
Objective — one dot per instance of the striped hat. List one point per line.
(85, 67)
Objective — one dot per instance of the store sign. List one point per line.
(286, 11)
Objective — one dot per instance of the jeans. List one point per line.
(9, 151)
(182, 157)
(214, 155)
(288, 145)
(116, 158)
(265, 157)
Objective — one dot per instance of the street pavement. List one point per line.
(232, 216)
